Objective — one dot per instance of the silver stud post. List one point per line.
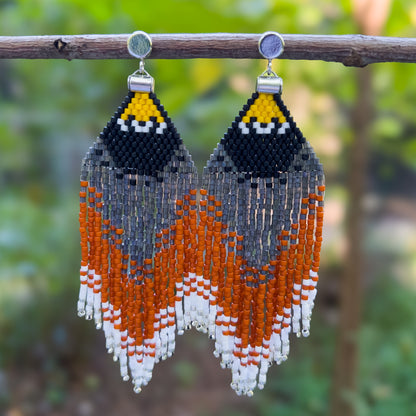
(139, 45)
(271, 45)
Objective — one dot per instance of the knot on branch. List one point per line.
(60, 45)
(355, 59)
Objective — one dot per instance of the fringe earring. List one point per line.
(137, 216)
(261, 217)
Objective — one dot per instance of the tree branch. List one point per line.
(351, 50)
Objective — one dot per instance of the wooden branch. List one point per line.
(351, 50)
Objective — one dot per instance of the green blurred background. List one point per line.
(53, 363)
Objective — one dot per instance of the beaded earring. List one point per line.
(137, 214)
(261, 217)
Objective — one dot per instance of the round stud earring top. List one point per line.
(271, 45)
(139, 44)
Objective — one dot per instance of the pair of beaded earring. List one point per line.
(235, 255)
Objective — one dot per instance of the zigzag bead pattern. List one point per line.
(236, 256)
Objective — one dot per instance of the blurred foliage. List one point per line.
(388, 340)
(50, 112)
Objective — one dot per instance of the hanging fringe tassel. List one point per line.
(262, 211)
(134, 230)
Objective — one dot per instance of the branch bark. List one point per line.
(351, 50)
